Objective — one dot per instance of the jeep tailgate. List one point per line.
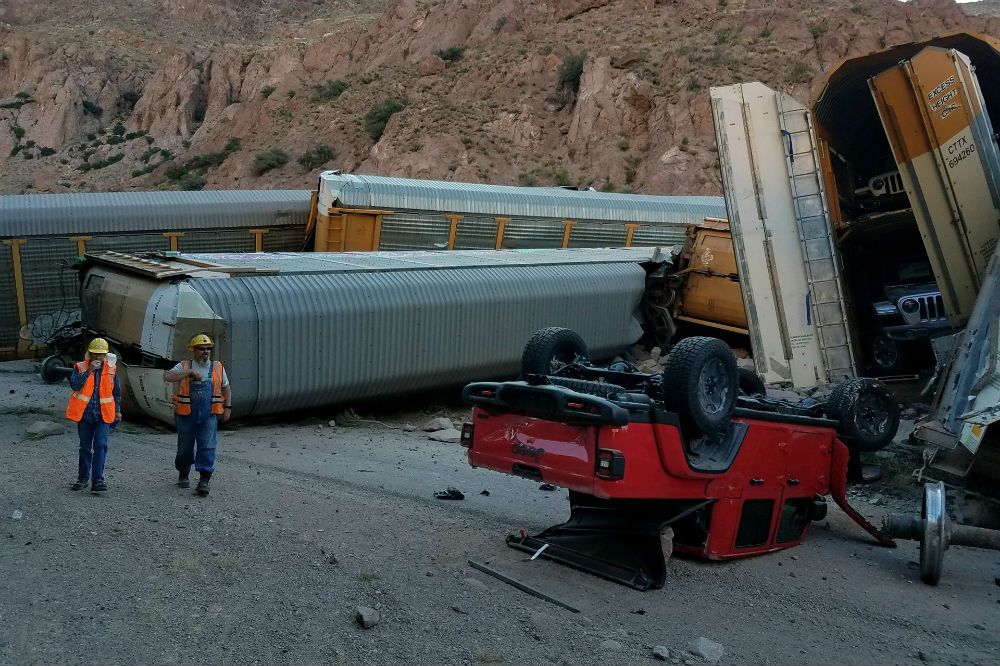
(538, 449)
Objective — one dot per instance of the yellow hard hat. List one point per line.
(201, 340)
(98, 346)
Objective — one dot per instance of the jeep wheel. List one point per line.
(867, 412)
(551, 349)
(888, 355)
(700, 382)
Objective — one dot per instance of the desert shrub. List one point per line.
(571, 70)
(92, 109)
(268, 160)
(266, 91)
(330, 90)
(451, 54)
(317, 156)
(378, 116)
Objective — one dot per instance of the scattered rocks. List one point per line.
(332, 423)
(661, 653)
(611, 645)
(274, 445)
(449, 435)
(922, 656)
(409, 427)
(458, 609)
(367, 617)
(980, 626)
(707, 649)
(440, 423)
(40, 429)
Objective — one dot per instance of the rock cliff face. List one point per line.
(143, 94)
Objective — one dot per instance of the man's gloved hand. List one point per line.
(118, 419)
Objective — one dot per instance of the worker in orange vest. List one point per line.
(95, 405)
(201, 400)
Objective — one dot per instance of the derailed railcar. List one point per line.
(299, 331)
(357, 212)
(41, 234)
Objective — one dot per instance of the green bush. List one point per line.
(46, 151)
(135, 135)
(108, 161)
(92, 109)
(378, 116)
(268, 160)
(317, 156)
(15, 150)
(114, 140)
(17, 131)
(16, 104)
(193, 182)
(451, 54)
(330, 90)
(118, 129)
(199, 164)
(22, 95)
(571, 70)
(149, 153)
(267, 90)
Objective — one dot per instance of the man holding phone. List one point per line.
(95, 406)
(201, 400)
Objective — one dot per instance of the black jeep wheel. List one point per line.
(867, 412)
(889, 356)
(751, 383)
(551, 349)
(700, 382)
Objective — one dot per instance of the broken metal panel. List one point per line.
(968, 399)
(304, 330)
(781, 236)
(942, 139)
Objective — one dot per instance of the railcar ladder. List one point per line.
(826, 307)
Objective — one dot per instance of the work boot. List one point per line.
(80, 484)
(182, 479)
(202, 488)
(99, 487)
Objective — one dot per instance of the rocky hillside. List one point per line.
(142, 94)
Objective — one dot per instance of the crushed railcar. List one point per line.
(303, 330)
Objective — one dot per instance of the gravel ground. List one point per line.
(307, 522)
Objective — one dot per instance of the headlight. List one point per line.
(884, 309)
(909, 306)
(877, 185)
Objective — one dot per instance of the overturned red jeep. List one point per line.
(696, 457)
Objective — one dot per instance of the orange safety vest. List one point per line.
(182, 398)
(79, 400)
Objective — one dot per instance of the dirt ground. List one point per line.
(307, 522)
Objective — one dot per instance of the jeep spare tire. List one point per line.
(867, 412)
(700, 382)
(551, 349)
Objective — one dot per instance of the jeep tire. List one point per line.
(551, 349)
(700, 383)
(867, 412)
